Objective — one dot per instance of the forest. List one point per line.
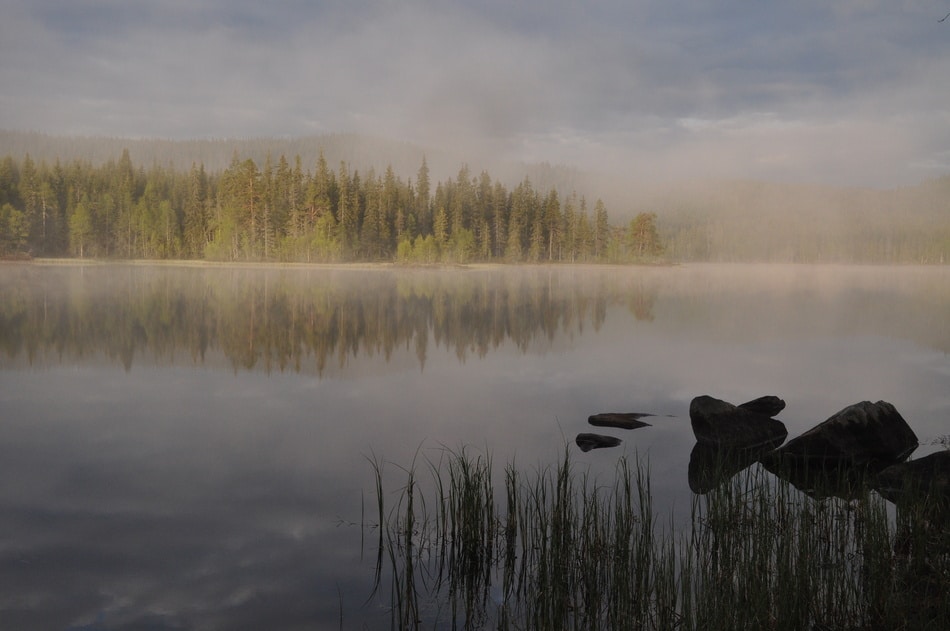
(346, 197)
(281, 210)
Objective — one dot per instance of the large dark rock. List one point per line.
(921, 491)
(838, 457)
(873, 433)
(926, 478)
(595, 441)
(719, 422)
(622, 420)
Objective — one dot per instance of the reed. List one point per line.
(560, 550)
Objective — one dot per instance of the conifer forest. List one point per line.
(282, 210)
(365, 200)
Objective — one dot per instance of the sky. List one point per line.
(847, 92)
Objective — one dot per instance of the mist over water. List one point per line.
(186, 447)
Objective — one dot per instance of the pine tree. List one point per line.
(125, 204)
(499, 219)
(387, 228)
(570, 228)
(440, 227)
(585, 236)
(370, 244)
(348, 209)
(423, 208)
(80, 227)
(553, 225)
(601, 229)
(294, 195)
(28, 194)
(196, 212)
(268, 200)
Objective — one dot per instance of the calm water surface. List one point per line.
(188, 448)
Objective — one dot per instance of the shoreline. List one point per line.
(355, 265)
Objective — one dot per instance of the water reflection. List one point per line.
(169, 460)
(298, 320)
(315, 321)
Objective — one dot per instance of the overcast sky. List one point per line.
(846, 92)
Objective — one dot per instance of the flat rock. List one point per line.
(719, 422)
(622, 420)
(596, 441)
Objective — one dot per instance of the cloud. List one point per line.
(615, 85)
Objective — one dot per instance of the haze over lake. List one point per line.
(188, 447)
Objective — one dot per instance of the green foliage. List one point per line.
(404, 251)
(80, 228)
(642, 239)
(462, 248)
(14, 230)
(279, 212)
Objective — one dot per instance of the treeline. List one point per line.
(282, 211)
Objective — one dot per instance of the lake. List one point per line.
(193, 447)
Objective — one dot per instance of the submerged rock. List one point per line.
(622, 420)
(596, 441)
(722, 423)
(837, 457)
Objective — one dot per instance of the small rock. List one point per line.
(622, 420)
(596, 441)
(769, 405)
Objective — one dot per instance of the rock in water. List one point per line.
(623, 420)
(864, 432)
(769, 405)
(838, 456)
(718, 422)
(596, 441)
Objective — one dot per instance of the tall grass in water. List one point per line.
(559, 550)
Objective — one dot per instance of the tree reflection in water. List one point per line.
(303, 320)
